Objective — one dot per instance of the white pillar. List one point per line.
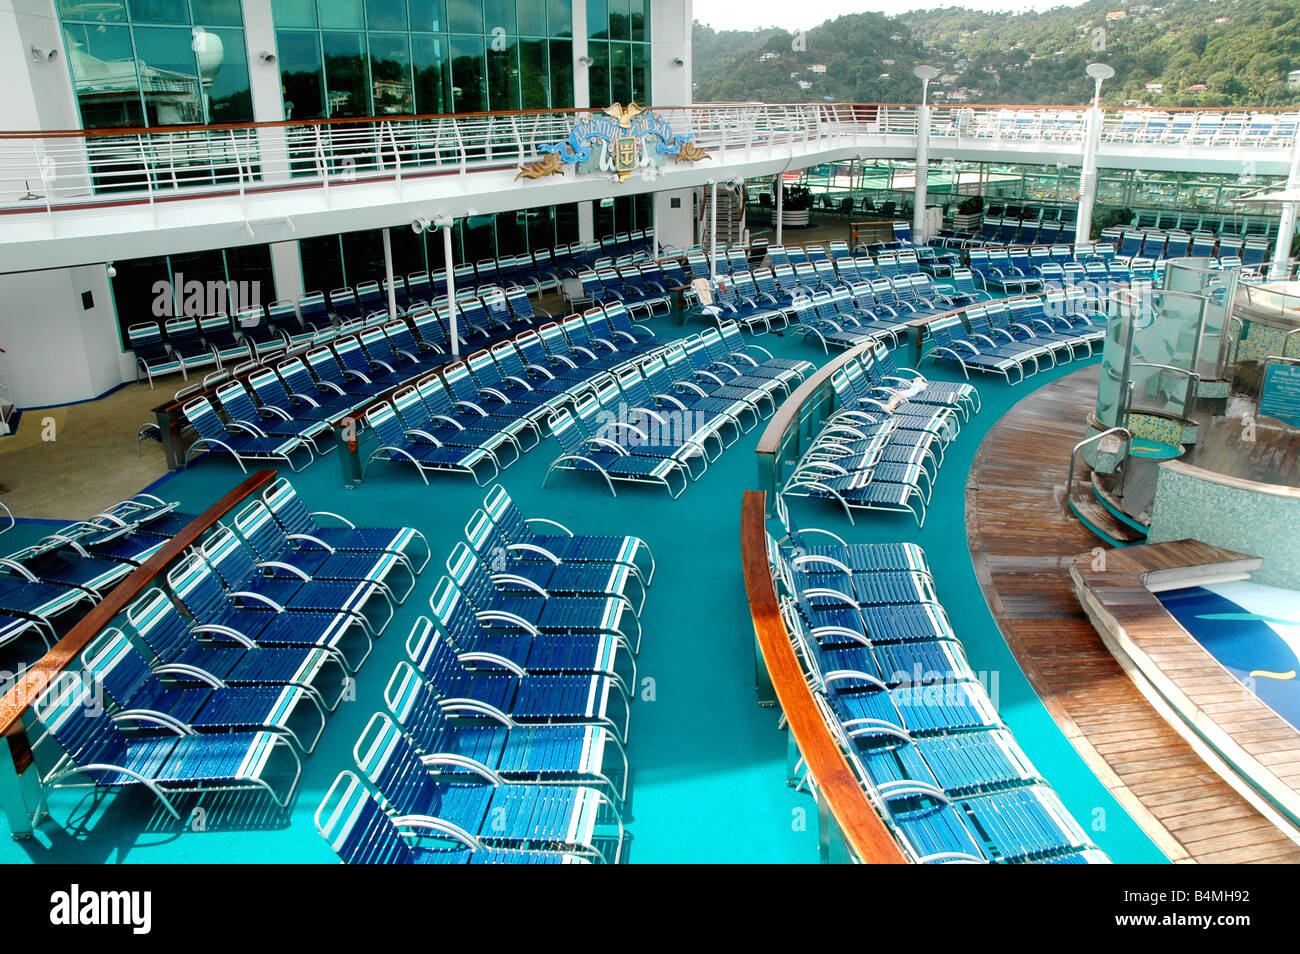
(780, 206)
(581, 74)
(922, 172)
(670, 26)
(586, 222)
(1088, 177)
(452, 323)
(713, 230)
(1286, 224)
(286, 269)
(388, 273)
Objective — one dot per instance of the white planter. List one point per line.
(797, 219)
(967, 223)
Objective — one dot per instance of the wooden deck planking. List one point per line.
(1022, 544)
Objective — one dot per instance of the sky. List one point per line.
(751, 14)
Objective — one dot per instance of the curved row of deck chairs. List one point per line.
(1014, 338)
(891, 286)
(220, 678)
(664, 417)
(188, 342)
(53, 583)
(505, 731)
(286, 414)
(479, 415)
(882, 449)
(913, 719)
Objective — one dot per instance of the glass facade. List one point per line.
(157, 62)
(619, 46)
(417, 57)
(333, 261)
(134, 284)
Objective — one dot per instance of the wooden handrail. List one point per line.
(868, 839)
(774, 434)
(36, 679)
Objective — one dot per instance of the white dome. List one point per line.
(211, 53)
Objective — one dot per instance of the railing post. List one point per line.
(348, 441)
(169, 434)
(13, 800)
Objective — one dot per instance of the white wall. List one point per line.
(56, 351)
(676, 226)
(37, 95)
(670, 40)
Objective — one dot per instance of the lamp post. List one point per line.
(924, 74)
(1100, 72)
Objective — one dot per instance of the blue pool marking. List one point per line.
(1244, 644)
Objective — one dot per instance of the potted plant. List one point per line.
(796, 205)
(969, 214)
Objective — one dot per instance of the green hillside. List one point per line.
(1240, 50)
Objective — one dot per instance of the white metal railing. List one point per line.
(49, 171)
(52, 171)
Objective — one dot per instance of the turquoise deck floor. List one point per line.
(708, 763)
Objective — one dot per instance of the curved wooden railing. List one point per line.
(854, 818)
(16, 703)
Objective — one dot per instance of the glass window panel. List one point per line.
(294, 13)
(641, 73)
(499, 14)
(345, 74)
(534, 80)
(511, 236)
(108, 90)
(218, 13)
(620, 72)
(561, 74)
(204, 267)
(465, 16)
(598, 74)
(100, 11)
(479, 239)
(428, 15)
(133, 293)
(566, 223)
(363, 256)
(229, 97)
(159, 11)
(301, 81)
(618, 26)
(467, 70)
(390, 75)
(541, 227)
(559, 14)
(342, 14)
(322, 263)
(531, 17)
(408, 253)
(638, 15)
(597, 19)
(252, 264)
(385, 14)
(602, 219)
(503, 75)
(431, 69)
(169, 72)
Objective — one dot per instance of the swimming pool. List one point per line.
(1253, 631)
